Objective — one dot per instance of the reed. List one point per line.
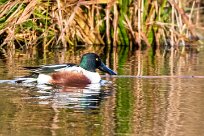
(62, 23)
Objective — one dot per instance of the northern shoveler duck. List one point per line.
(72, 74)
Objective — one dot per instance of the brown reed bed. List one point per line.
(67, 23)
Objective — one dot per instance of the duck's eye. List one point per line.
(96, 59)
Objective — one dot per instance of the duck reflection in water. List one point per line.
(89, 97)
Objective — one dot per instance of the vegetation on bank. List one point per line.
(28, 23)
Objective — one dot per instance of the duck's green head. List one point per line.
(92, 61)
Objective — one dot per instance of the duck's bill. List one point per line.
(104, 68)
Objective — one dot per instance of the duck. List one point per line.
(72, 74)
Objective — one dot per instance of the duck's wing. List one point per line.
(49, 68)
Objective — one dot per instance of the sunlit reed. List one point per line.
(112, 22)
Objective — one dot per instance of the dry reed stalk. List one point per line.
(92, 17)
(61, 24)
(139, 22)
(172, 28)
(184, 17)
(11, 21)
(115, 24)
(27, 11)
(145, 39)
(107, 18)
(157, 38)
(4, 9)
(198, 12)
(89, 35)
(111, 4)
(128, 25)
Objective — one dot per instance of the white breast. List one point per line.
(92, 76)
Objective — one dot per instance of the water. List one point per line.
(170, 103)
